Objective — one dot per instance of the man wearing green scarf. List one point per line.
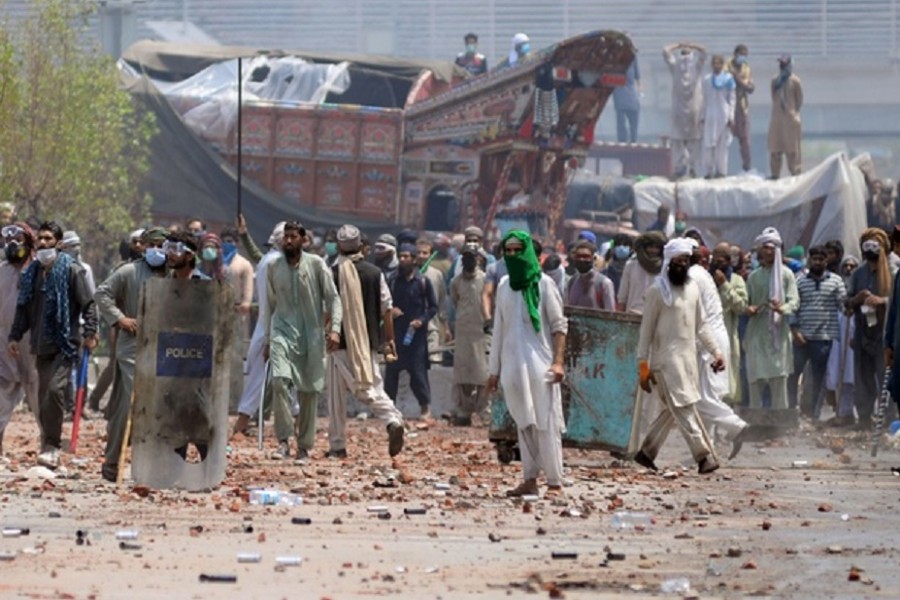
(527, 361)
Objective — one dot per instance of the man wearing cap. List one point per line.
(117, 298)
(868, 297)
(256, 362)
(18, 376)
(52, 304)
(71, 245)
(526, 359)
(671, 327)
(772, 296)
(365, 301)
(299, 288)
(386, 255)
(784, 127)
(471, 59)
(414, 307)
(470, 346)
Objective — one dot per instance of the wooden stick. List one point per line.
(120, 474)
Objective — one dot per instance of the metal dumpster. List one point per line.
(600, 392)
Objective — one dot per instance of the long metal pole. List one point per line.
(240, 135)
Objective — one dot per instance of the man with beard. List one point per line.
(526, 358)
(53, 302)
(834, 255)
(18, 376)
(870, 290)
(181, 256)
(784, 125)
(715, 385)
(671, 327)
(733, 296)
(386, 255)
(438, 330)
(640, 271)
(256, 362)
(365, 302)
(299, 288)
(815, 327)
(772, 293)
(117, 298)
(589, 288)
(414, 307)
(470, 351)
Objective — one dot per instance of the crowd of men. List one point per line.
(722, 327)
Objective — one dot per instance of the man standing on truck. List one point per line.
(473, 61)
(685, 61)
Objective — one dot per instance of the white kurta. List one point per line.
(686, 71)
(715, 385)
(18, 376)
(718, 112)
(521, 356)
(256, 364)
(635, 281)
(669, 337)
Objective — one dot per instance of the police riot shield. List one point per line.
(182, 383)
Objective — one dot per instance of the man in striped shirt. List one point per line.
(815, 326)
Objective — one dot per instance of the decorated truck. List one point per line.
(407, 143)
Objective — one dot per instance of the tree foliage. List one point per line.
(73, 145)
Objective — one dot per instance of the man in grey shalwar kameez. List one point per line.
(685, 63)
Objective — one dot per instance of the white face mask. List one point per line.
(46, 255)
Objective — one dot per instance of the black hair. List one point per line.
(741, 49)
(198, 219)
(470, 36)
(53, 227)
(295, 226)
(817, 251)
(584, 244)
(229, 232)
(185, 237)
(835, 246)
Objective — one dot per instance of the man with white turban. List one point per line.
(772, 294)
(672, 324)
(521, 47)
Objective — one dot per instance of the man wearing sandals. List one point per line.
(527, 360)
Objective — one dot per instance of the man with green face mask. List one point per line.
(526, 358)
(471, 60)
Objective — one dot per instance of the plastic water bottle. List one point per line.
(410, 334)
(680, 585)
(267, 497)
(630, 520)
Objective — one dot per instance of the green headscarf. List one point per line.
(525, 274)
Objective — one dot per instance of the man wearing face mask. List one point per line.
(740, 70)
(438, 329)
(256, 362)
(414, 307)
(330, 247)
(470, 350)
(386, 255)
(717, 117)
(117, 298)
(239, 269)
(53, 298)
(471, 59)
(589, 288)
(733, 296)
(685, 61)
(299, 287)
(617, 259)
(815, 327)
(71, 245)
(672, 328)
(772, 297)
(18, 376)
(640, 271)
(784, 126)
(868, 295)
(521, 48)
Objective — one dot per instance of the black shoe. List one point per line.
(459, 421)
(395, 439)
(738, 442)
(342, 453)
(645, 461)
(707, 466)
(109, 472)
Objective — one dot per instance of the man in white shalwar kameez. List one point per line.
(18, 375)
(718, 118)
(685, 63)
(526, 359)
(256, 362)
(672, 324)
(714, 386)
